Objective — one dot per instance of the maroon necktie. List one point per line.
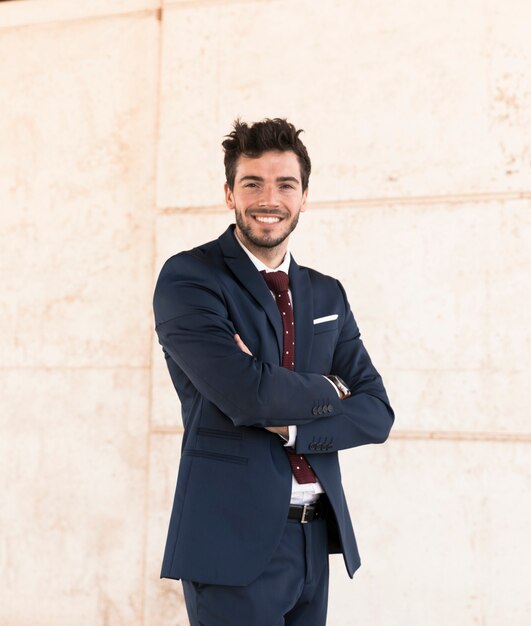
(278, 283)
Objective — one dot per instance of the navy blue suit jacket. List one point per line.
(234, 482)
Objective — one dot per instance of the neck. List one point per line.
(272, 257)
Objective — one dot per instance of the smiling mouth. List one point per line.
(267, 219)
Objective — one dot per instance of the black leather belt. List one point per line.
(305, 513)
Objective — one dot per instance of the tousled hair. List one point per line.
(269, 134)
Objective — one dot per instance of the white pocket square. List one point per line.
(326, 318)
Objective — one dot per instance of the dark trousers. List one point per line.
(291, 591)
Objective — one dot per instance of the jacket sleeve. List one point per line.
(194, 329)
(366, 416)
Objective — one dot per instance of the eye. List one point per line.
(250, 185)
(287, 186)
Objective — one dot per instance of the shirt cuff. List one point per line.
(333, 385)
(292, 431)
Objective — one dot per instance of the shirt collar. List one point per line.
(261, 267)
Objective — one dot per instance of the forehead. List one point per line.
(269, 165)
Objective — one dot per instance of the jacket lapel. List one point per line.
(246, 273)
(301, 291)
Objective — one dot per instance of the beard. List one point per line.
(265, 240)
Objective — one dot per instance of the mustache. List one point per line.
(265, 212)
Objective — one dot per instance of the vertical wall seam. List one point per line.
(159, 15)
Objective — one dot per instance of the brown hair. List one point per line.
(269, 134)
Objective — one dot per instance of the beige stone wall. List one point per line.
(418, 121)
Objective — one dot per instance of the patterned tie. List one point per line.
(278, 283)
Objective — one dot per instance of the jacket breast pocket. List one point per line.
(325, 327)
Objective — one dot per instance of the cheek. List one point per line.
(243, 199)
(295, 206)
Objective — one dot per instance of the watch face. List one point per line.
(344, 391)
(342, 386)
(339, 382)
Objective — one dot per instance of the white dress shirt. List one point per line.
(307, 493)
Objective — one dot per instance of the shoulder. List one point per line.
(201, 265)
(198, 258)
(206, 257)
(191, 275)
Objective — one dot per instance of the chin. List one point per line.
(268, 241)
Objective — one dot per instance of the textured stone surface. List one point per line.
(76, 190)
(31, 12)
(164, 603)
(113, 110)
(73, 461)
(398, 100)
(442, 528)
(76, 185)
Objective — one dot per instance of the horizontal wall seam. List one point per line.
(459, 436)
(473, 198)
(74, 368)
(9, 12)
(191, 4)
(457, 370)
(413, 435)
(89, 17)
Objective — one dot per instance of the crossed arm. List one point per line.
(283, 431)
(190, 311)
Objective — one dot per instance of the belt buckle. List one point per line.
(305, 508)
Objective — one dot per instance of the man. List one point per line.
(273, 379)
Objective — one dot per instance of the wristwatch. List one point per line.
(344, 391)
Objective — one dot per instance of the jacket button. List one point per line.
(314, 410)
(312, 445)
(330, 408)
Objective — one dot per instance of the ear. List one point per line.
(304, 198)
(229, 197)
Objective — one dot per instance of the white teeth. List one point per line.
(267, 220)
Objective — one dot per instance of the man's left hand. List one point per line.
(283, 431)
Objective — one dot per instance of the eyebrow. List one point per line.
(279, 179)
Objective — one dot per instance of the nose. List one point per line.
(268, 197)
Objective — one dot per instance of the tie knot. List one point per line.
(276, 281)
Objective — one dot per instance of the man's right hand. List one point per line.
(241, 345)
